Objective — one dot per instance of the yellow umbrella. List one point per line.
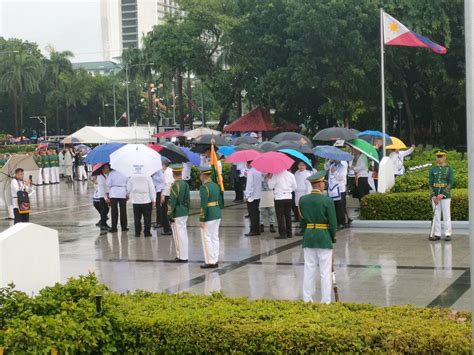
(397, 144)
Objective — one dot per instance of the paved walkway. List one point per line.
(372, 266)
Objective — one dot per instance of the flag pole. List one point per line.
(382, 77)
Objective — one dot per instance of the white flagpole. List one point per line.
(382, 72)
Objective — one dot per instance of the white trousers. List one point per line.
(39, 180)
(180, 236)
(210, 240)
(46, 175)
(444, 208)
(313, 256)
(270, 215)
(55, 171)
(81, 173)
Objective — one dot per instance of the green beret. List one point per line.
(204, 169)
(441, 152)
(317, 177)
(177, 167)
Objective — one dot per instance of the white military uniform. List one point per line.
(210, 240)
(397, 158)
(337, 181)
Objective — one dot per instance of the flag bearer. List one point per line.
(318, 219)
(210, 218)
(441, 180)
(178, 211)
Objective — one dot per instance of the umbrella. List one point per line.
(97, 168)
(42, 146)
(243, 156)
(210, 138)
(292, 136)
(332, 153)
(372, 136)
(195, 133)
(83, 148)
(305, 149)
(26, 162)
(70, 140)
(365, 148)
(193, 158)
(396, 144)
(334, 134)
(248, 147)
(297, 155)
(170, 151)
(101, 153)
(268, 146)
(246, 140)
(169, 134)
(226, 150)
(136, 159)
(272, 162)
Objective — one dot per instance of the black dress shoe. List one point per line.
(137, 235)
(178, 260)
(435, 238)
(148, 235)
(167, 233)
(104, 228)
(447, 238)
(289, 236)
(272, 229)
(112, 230)
(125, 229)
(97, 224)
(209, 266)
(247, 216)
(251, 234)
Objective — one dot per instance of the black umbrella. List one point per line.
(292, 136)
(210, 138)
(305, 149)
(268, 146)
(245, 140)
(335, 133)
(173, 153)
(248, 147)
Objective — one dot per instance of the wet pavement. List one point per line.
(397, 266)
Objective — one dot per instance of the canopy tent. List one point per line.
(259, 120)
(101, 135)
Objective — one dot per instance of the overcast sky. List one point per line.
(65, 24)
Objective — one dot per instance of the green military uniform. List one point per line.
(211, 201)
(318, 219)
(38, 160)
(54, 160)
(45, 161)
(3, 161)
(180, 199)
(441, 180)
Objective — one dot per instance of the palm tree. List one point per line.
(74, 88)
(21, 77)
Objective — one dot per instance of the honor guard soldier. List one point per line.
(178, 211)
(210, 218)
(318, 220)
(441, 180)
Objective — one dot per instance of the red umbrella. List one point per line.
(272, 162)
(156, 147)
(42, 146)
(243, 156)
(169, 134)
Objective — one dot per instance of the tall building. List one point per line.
(124, 22)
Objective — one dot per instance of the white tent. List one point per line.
(101, 135)
(200, 132)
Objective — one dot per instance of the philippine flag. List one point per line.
(396, 34)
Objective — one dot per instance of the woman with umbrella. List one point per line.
(360, 167)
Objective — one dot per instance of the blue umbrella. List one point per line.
(297, 155)
(194, 158)
(101, 153)
(332, 153)
(226, 150)
(371, 136)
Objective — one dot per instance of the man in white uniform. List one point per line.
(398, 156)
(165, 197)
(117, 197)
(253, 194)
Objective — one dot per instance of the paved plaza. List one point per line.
(382, 267)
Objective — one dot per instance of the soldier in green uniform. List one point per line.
(210, 218)
(441, 180)
(319, 222)
(39, 161)
(54, 162)
(46, 167)
(178, 211)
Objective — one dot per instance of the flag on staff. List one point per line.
(397, 34)
(216, 175)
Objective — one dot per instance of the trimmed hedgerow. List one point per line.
(64, 317)
(410, 206)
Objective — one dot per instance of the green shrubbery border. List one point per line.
(408, 206)
(64, 317)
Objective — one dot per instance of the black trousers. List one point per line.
(294, 208)
(20, 217)
(239, 186)
(362, 188)
(165, 221)
(341, 209)
(254, 214)
(158, 208)
(115, 204)
(142, 210)
(283, 214)
(104, 211)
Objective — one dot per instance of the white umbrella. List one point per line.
(135, 159)
(200, 132)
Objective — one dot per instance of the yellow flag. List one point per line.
(216, 174)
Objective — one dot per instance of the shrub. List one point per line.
(17, 149)
(195, 183)
(410, 206)
(64, 317)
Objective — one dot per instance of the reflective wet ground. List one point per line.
(372, 265)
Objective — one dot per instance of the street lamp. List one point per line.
(43, 120)
(272, 111)
(400, 106)
(127, 67)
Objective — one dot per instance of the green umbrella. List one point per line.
(365, 148)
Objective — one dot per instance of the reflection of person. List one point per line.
(117, 196)
(441, 180)
(18, 184)
(283, 184)
(253, 194)
(178, 211)
(397, 157)
(142, 193)
(210, 218)
(318, 219)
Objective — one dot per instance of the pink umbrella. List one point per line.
(272, 162)
(243, 156)
(168, 134)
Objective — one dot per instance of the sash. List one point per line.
(334, 192)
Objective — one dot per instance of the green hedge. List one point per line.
(17, 149)
(195, 183)
(410, 206)
(64, 317)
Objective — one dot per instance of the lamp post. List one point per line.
(400, 106)
(44, 121)
(127, 82)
